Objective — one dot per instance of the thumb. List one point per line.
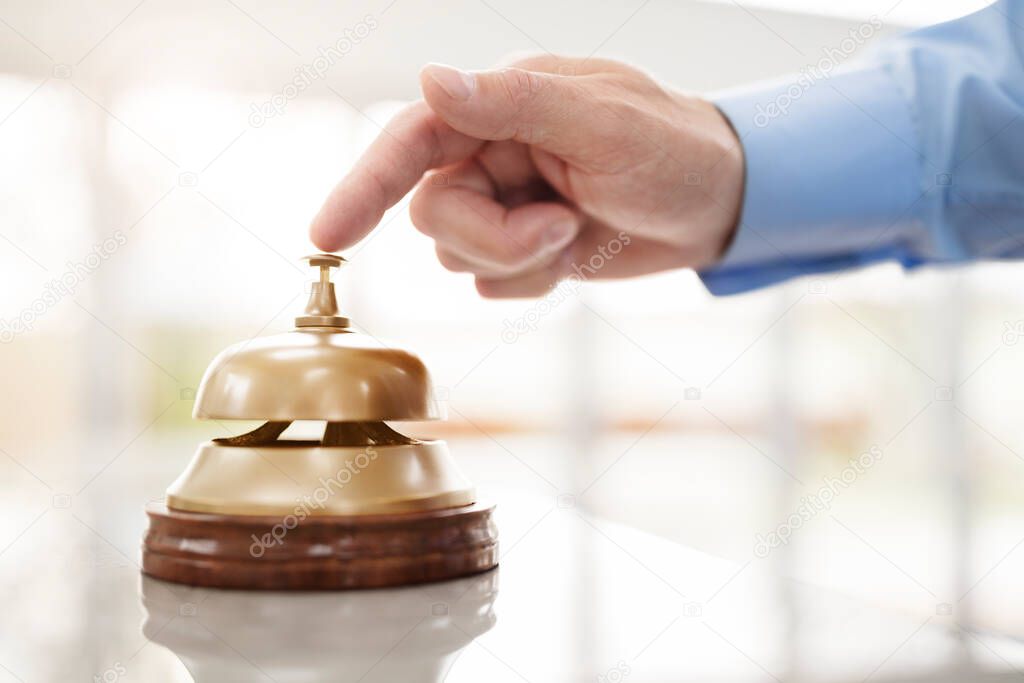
(556, 113)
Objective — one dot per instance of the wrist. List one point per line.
(713, 225)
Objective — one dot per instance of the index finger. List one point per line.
(413, 142)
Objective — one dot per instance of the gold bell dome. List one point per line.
(322, 370)
(312, 375)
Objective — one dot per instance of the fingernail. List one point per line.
(458, 84)
(558, 235)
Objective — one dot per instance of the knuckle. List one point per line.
(523, 59)
(522, 91)
(521, 86)
(524, 131)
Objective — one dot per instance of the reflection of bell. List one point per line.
(364, 506)
(411, 634)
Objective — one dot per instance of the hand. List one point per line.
(549, 168)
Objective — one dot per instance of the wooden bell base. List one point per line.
(318, 553)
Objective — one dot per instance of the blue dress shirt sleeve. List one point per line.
(914, 155)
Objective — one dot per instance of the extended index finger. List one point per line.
(413, 142)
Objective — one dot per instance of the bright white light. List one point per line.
(907, 12)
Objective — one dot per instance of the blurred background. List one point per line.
(160, 167)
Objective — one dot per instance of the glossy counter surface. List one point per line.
(576, 598)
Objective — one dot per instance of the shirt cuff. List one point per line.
(832, 178)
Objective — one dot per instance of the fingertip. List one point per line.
(322, 236)
(328, 229)
(339, 227)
